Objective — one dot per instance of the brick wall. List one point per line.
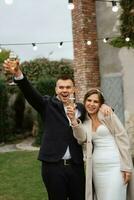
(86, 67)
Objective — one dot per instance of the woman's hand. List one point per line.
(106, 110)
(126, 176)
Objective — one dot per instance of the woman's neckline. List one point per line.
(94, 132)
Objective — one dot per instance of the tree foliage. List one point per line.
(3, 111)
(42, 68)
(127, 25)
(4, 55)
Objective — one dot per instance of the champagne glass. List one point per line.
(72, 100)
(73, 105)
(9, 77)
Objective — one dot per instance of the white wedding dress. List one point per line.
(107, 177)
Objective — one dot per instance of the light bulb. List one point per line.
(9, 2)
(70, 6)
(114, 6)
(60, 44)
(127, 39)
(105, 40)
(89, 42)
(34, 47)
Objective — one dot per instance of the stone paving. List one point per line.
(25, 145)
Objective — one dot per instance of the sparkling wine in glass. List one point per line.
(72, 100)
(12, 57)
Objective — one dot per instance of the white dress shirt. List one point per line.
(67, 154)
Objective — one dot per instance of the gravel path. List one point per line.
(25, 145)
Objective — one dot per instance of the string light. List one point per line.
(105, 40)
(114, 6)
(60, 44)
(89, 42)
(37, 43)
(70, 5)
(127, 39)
(9, 2)
(34, 47)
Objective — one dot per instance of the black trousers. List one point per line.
(64, 182)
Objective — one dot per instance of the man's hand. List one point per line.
(106, 110)
(12, 66)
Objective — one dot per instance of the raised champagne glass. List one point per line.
(72, 100)
(9, 77)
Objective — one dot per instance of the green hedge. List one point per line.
(44, 86)
(4, 121)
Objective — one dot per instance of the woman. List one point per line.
(109, 162)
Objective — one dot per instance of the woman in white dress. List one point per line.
(108, 160)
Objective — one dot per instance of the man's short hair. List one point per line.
(65, 77)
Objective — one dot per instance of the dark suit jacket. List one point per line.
(57, 131)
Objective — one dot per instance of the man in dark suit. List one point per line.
(61, 155)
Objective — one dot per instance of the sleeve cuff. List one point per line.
(19, 77)
(75, 125)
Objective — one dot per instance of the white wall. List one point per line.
(113, 60)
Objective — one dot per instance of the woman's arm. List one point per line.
(79, 133)
(123, 143)
(121, 139)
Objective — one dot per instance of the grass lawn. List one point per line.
(20, 177)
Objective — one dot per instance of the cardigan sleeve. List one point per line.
(79, 133)
(121, 138)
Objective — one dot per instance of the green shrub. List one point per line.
(44, 86)
(19, 107)
(4, 123)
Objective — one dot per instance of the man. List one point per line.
(61, 155)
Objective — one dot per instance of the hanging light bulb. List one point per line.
(70, 5)
(89, 42)
(60, 44)
(105, 40)
(114, 6)
(9, 2)
(127, 39)
(34, 47)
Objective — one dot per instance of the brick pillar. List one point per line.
(86, 65)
